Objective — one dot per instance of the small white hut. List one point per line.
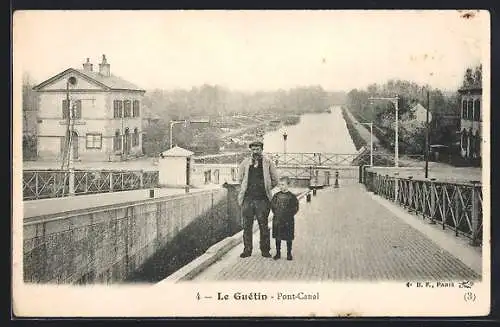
(175, 167)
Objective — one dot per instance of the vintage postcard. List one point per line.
(251, 163)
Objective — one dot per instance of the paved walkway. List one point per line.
(341, 235)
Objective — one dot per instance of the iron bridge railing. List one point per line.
(43, 184)
(456, 206)
(317, 159)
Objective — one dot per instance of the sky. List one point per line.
(255, 50)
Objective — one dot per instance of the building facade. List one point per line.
(470, 123)
(103, 115)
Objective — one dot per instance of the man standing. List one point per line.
(257, 176)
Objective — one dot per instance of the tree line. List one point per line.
(219, 104)
(444, 108)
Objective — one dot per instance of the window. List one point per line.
(126, 108)
(94, 141)
(117, 108)
(135, 110)
(464, 109)
(77, 109)
(117, 141)
(470, 108)
(135, 137)
(477, 110)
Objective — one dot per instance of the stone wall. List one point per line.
(110, 244)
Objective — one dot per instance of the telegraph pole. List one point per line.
(427, 136)
(67, 155)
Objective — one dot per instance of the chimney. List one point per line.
(87, 66)
(104, 67)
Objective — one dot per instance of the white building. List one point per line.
(107, 115)
(419, 113)
(471, 122)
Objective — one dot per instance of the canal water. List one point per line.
(320, 132)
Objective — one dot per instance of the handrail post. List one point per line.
(36, 185)
(457, 207)
(475, 219)
(396, 186)
(71, 181)
(111, 181)
(443, 218)
(141, 179)
(409, 196)
(433, 201)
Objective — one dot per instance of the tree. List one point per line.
(155, 138)
(29, 109)
(478, 75)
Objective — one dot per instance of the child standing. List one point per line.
(284, 206)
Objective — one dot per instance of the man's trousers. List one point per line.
(256, 209)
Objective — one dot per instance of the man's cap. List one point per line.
(256, 143)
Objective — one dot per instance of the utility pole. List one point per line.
(396, 151)
(67, 160)
(427, 136)
(67, 141)
(68, 151)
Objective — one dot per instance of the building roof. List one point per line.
(471, 89)
(111, 82)
(177, 151)
(418, 106)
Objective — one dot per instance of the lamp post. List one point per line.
(285, 136)
(371, 141)
(395, 101)
(427, 136)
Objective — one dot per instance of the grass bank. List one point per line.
(358, 141)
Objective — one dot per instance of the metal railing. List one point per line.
(317, 159)
(456, 206)
(43, 184)
(213, 174)
(223, 158)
